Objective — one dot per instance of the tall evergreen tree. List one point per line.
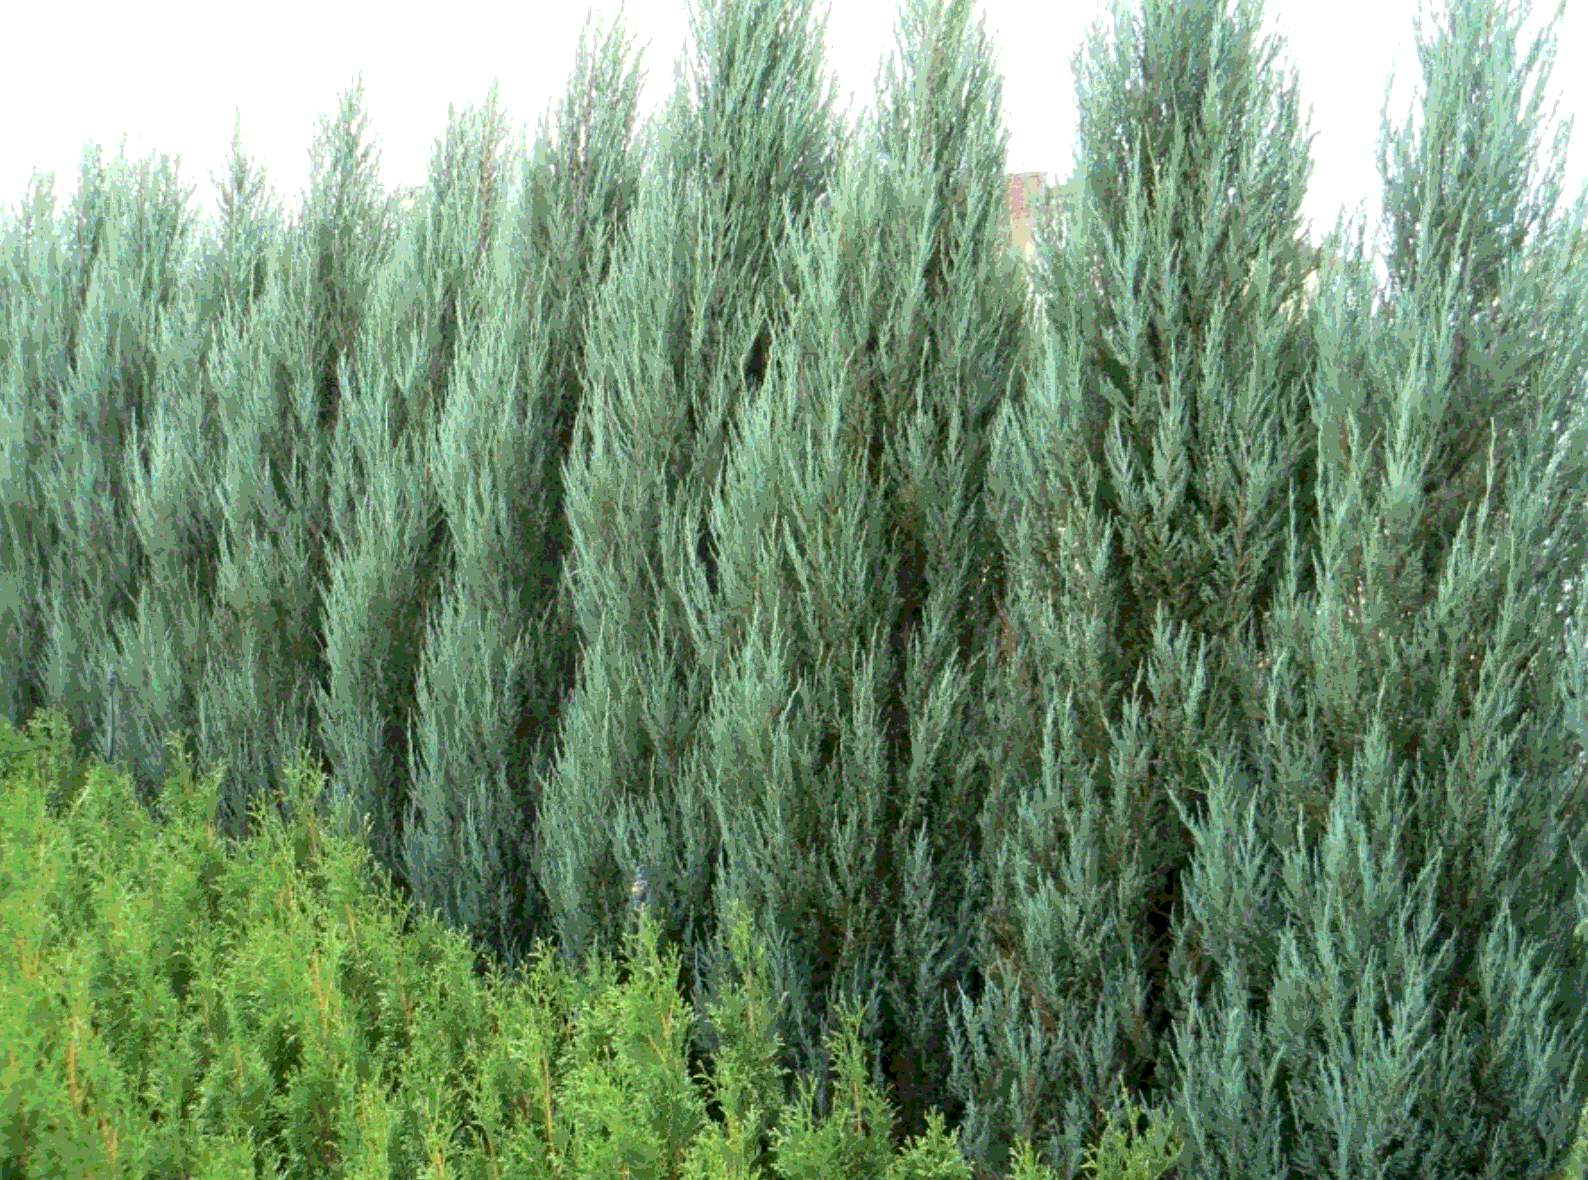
(1289, 843)
(1150, 484)
(499, 653)
(773, 504)
(284, 374)
(94, 331)
(678, 337)
(173, 499)
(396, 548)
(894, 379)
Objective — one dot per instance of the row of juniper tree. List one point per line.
(1154, 676)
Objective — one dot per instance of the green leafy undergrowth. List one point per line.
(178, 1006)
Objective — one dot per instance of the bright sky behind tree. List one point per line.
(172, 76)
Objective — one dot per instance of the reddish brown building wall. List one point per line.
(1024, 190)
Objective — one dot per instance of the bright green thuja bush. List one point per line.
(179, 1006)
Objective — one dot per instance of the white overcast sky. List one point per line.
(171, 76)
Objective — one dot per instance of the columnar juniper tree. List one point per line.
(677, 343)
(456, 742)
(773, 499)
(288, 375)
(173, 489)
(208, 435)
(92, 333)
(1288, 840)
(1148, 486)
(393, 545)
(855, 505)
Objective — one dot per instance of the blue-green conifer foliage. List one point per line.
(1138, 677)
